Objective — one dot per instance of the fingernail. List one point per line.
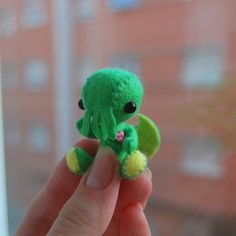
(102, 171)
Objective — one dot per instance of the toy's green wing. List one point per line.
(148, 136)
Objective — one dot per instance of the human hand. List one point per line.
(99, 203)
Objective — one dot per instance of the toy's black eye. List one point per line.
(130, 107)
(80, 104)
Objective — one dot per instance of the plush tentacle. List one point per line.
(86, 123)
(95, 124)
(111, 123)
(104, 129)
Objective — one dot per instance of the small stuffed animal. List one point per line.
(109, 98)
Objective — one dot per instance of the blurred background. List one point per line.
(185, 53)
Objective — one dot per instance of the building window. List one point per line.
(85, 10)
(201, 156)
(202, 68)
(7, 22)
(38, 137)
(9, 75)
(122, 5)
(126, 62)
(36, 74)
(34, 13)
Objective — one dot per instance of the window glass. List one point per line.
(38, 137)
(119, 5)
(33, 14)
(36, 74)
(184, 51)
(203, 68)
(85, 9)
(201, 157)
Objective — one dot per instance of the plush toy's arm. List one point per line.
(130, 142)
(79, 125)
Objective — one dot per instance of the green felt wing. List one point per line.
(148, 136)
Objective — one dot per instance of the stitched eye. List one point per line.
(81, 105)
(130, 107)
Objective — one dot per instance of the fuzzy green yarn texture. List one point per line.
(110, 97)
(104, 96)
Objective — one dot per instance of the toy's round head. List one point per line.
(109, 97)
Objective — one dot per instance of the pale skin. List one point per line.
(72, 205)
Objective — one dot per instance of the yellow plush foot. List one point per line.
(72, 161)
(133, 165)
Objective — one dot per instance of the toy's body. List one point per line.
(110, 97)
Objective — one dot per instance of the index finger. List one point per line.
(53, 196)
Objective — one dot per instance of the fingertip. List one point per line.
(134, 222)
(137, 190)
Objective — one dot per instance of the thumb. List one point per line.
(90, 209)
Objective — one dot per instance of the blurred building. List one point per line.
(28, 87)
(184, 52)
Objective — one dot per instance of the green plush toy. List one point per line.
(109, 98)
